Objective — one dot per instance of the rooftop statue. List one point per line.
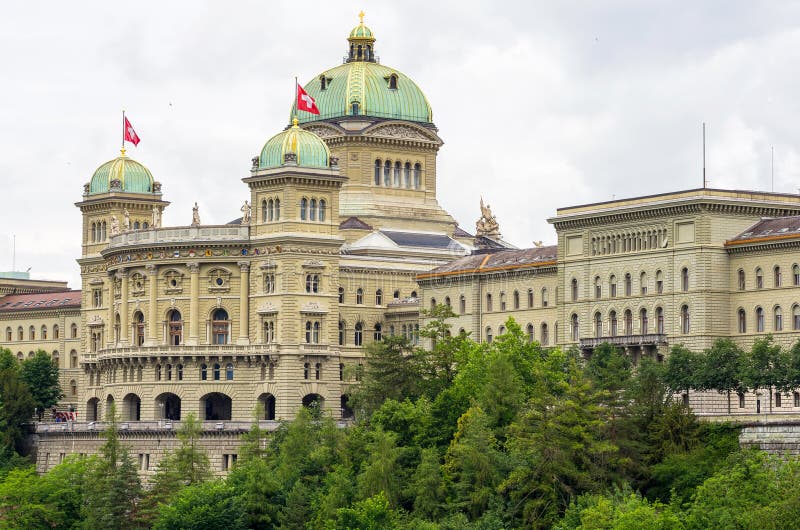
(195, 215)
(487, 225)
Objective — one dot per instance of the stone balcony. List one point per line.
(205, 350)
(182, 234)
(624, 341)
(157, 426)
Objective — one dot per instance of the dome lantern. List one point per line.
(362, 43)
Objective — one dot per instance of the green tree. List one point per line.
(765, 366)
(16, 403)
(373, 513)
(382, 472)
(473, 465)
(556, 448)
(40, 373)
(203, 506)
(440, 363)
(721, 368)
(683, 367)
(427, 485)
(392, 370)
(113, 486)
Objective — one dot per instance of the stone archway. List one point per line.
(268, 402)
(131, 408)
(92, 409)
(168, 407)
(216, 406)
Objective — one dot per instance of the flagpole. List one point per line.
(296, 93)
(123, 131)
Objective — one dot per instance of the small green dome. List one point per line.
(133, 176)
(309, 149)
(361, 32)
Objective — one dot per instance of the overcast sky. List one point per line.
(540, 104)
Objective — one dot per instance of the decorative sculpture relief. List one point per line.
(246, 213)
(398, 131)
(487, 225)
(195, 215)
(156, 216)
(126, 220)
(114, 225)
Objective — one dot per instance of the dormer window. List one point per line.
(324, 81)
(355, 108)
(393, 82)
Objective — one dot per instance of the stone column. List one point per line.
(244, 299)
(152, 320)
(194, 304)
(123, 308)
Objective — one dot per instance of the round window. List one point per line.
(219, 281)
(173, 282)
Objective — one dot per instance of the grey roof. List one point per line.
(420, 240)
(498, 260)
(769, 227)
(354, 223)
(460, 232)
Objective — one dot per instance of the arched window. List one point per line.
(516, 299)
(269, 331)
(387, 173)
(530, 298)
(575, 327)
(742, 321)
(659, 282)
(628, 322)
(229, 372)
(643, 283)
(323, 82)
(136, 225)
(312, 283)
(612, 323)
(341, 333)
(447, 301)
(488, 302)
(354, 105)
(777, 276)
(358, 334)
(796, 317)
(741, 399)
(393, 82)
(628, 284)
(322, 208)
(530, 332)
(180, 373)
(377, 171)
(796, 401)
(217, 372)
(796, 275)
(544, 297)
(73, 331)
(433, 304)
(377, 332)
(598, 288)
(359, 296)
(544, 335)
(341, 295)
(643, 322)
(168, 372)
(378, 297)
(138, 328)
(158, 372)
(271, 210)
(43, 333)
(9, 334)
(574, 290)
(73, 388)
(31, 333)
(462, 304)
(312, 210)
(407, 175)
(685, 324)
(318, 371)
(266, 211)
(659, 320)
(220, 327)
(305, 370)
(417, 176)
(777, 324)
(612, 286)
(73, 359)
(277, 209)
(55, 332)
(398, 170)
(741, 279)
(598, 325)
(759, 278)
(303, 209)
(55, 357)
(312, 332)
(684, 279)
(489, 336)
(502, 301)
(759, 319)
(175, 327)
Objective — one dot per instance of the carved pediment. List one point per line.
(266, 265)
(313, 264)
(95, 321)
(313, 308)
(401, 132)
(267, 308)
(323, 131)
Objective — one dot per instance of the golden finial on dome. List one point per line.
(295, 121)
(361, 17)
(122, 152)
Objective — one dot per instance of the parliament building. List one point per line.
(341, 242)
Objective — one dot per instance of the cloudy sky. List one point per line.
(540, 104)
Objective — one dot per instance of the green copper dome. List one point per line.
(309, 150)
(363, 88)
(133, 176)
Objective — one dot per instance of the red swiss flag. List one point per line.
(306, 102)
(130, 134)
